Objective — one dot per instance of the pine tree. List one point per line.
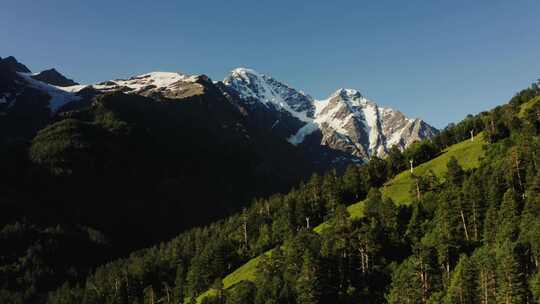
(474, 200)
(376, 169)
(415, 228)
(373, 203)
(508, 218)
(353, 184)
(408, 283)
(270, 277)
(484, 259)
(511, 284)
(445, 235)
(534, 285)
(530, 225)
(308, 287)
(455, 173)
(396, 161)
(463, 286)
(179, 285)
(490, 226)
(331, 189)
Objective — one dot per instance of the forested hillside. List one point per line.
(117, 172)
(470, 235)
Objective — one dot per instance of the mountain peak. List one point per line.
(255, 87)
(347, 121)
(347, 93)
(52, 76)
(15, 65)
(244, 71)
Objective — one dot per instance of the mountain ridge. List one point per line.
(343, 128)
(348, 121)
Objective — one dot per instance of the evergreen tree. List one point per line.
(332, 191)
(179, 285)
(484, 259)
(530, 225)
(474, 200)
(373, 203)
(511, 284)
(508, 218)
(463, 286)
(353, 184)
(490, 226)
(376, 169)
(396, 161)
(407, 284)
(308, 287)
(455, 173)
(534, 284)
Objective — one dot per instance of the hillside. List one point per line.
(127, 163)
(472, 212)
(468, 153)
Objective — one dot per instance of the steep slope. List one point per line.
(14, 65)
(53, 77)
(352, 123)
(346, 121)
(468, 154)
(139, 160)
(26, 104)
(176, 133)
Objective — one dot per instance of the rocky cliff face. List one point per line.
(346, 121)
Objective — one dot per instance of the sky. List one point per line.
(433, 59)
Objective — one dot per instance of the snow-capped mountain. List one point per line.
(342, 128)
(345, 121)
(18, 83)
(254, 87)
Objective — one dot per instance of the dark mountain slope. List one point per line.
(52, 76)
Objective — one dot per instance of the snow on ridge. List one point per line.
(371, 117)
(244, 71)
(301, 134)
(156, 79)
(342, 113)
(72, 89)
(347, 93)
(59, 97)
(251, 84)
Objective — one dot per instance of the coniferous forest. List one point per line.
(464, 236)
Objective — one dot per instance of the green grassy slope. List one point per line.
(468, 154)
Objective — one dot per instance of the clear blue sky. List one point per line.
(438, 60)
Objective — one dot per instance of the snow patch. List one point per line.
(155, 79)
(58, 97)
(370, 113)
(250, 84)
(72, 89)
(301, 134)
